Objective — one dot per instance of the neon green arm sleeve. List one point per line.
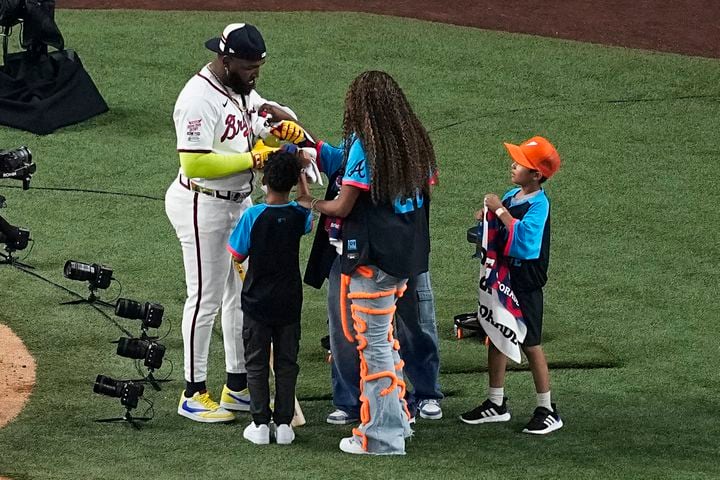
(214, 165)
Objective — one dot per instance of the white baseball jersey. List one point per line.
(210, 117)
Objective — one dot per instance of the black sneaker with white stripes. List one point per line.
(488, 412)
(544, 421)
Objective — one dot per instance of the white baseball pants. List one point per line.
(203, 225)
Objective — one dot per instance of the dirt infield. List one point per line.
(690, 27)
(17, 375)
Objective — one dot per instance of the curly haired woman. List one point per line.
(383, 201)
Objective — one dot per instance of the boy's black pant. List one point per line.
(257, 337)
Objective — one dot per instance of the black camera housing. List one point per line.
(15, 238)
(17, 164)
(151, 314)
(152, 353)
(127, 391)
(98, 275)
(21, 242)
(474, 236)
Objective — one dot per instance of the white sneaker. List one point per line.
(350, 445)
(237, 401)
(257, 434)
(341, 417)
(430, 409)
(202, 408)
(284, 434)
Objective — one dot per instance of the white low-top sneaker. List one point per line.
(257, 434)
(350, 445)
(284, 434)
(430, 409)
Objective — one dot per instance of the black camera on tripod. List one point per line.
(128, 392)
(14, 238)
(98, 275)
(141, 349)
(151, 314)
(17, 164)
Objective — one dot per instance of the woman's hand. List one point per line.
(305, 201)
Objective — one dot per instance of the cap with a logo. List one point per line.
(240, 40)
(536, 154)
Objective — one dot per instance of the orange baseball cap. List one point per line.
(536, 154)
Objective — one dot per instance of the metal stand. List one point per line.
(127, 417)
(92, 299)
(8, 259)
(154, 382)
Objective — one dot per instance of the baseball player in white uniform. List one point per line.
(219, 120)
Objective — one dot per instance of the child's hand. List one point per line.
(492, 201)
(305, 157)
(479, 215)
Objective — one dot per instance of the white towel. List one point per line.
(312, 172)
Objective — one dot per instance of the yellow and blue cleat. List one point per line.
(202, 408)
(236, 401)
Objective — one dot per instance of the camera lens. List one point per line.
(132, 348)
(151, 314)
(99, 276)
(78, 271)
(23, 154)
(107, 386)
(127, 308)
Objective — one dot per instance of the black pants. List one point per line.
(285, 339)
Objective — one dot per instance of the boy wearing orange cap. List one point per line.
(525, 213)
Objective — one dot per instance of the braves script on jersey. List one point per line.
(211, 118)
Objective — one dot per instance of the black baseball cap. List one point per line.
(240, 40)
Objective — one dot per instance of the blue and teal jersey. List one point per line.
(525, 235)
(528, 239)
(270, 236)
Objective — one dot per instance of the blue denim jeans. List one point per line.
(416, 330)
(384, 422)
(418, 341)
(345, 359)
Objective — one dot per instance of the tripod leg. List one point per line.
(74, 302)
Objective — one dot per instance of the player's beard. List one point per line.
(238, 85)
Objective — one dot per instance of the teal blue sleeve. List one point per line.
(309, 222)
(308, 216)
(239, 243)
(330, 158)
(525, 236)
(357, 173)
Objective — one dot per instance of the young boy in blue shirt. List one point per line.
(525, 213)
(269, 235)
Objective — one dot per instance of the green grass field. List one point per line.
(631, 306)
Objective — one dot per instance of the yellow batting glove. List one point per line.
(260, 154)
(289, 131)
